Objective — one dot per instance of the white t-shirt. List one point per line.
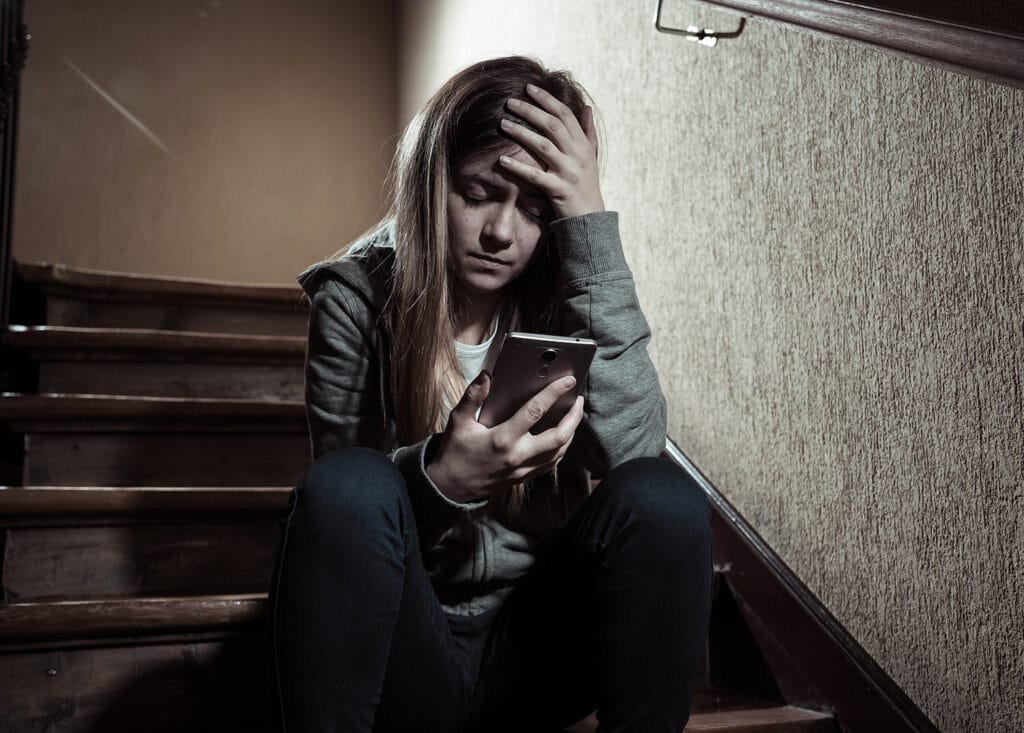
(473, 358)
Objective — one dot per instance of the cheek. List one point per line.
(463, 225)
(533, 243)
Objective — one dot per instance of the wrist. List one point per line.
(452, 490)
(580, 208)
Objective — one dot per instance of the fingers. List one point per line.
(566, 427)
(564, 146)
(475, 394)
(550, 128)
(537, 177)
(537, 406)
(589, 125)
(559, 438)
(549, 103)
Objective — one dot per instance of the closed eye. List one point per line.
(473, 200)
(536, 211)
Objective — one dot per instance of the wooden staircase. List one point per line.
(152, 429)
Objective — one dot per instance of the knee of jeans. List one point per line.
(353, 487)
(665, 499)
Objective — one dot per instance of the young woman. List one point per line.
(438, 575)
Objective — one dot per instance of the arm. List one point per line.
(625, 408)
(624, 404)
(345, 403)
(447, 474)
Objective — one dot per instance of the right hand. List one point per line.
(473, 461)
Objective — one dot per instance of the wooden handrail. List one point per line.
(980, 52)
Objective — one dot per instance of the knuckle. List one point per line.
(512, 460)
(553, 124)
(500, 443)
(535, 410)
(545, 146)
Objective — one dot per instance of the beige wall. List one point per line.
(828, 241)
(272, 123)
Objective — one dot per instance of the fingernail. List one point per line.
(504, 159)
(513, 102)
(531, 88)
(506, 124)
(569, 381)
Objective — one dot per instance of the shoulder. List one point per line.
(363, 273)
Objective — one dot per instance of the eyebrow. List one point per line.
(532, 192)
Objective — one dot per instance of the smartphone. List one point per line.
(528, 362)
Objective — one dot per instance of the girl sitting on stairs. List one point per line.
(438, 575)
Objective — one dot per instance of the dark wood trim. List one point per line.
(979, 52)
(816, 662)
(92, 344)
(114, 413)
(101, 285)
(47, 621)
(58, 506)
(14, 39)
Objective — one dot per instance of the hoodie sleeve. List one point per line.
(344, 401)
(625, 410)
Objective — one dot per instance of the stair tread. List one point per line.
(36, 621)
(754, 718)
(77, 412)
(41, 504)
(96, 343)
(107, 285)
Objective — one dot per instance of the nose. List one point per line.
(499, 231)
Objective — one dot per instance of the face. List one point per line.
(495, 221)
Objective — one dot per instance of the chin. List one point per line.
(484, 286)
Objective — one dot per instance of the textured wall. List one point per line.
(829, 244)
(269, 122)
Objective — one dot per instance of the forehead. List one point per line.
(486, 168)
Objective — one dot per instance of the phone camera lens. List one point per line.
(548, 356)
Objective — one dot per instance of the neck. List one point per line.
(473, 322)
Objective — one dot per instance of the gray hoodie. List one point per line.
(474, 552)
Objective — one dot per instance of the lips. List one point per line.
(488, 261)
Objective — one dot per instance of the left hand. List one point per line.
(568, 147)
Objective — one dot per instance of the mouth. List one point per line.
(488, 261)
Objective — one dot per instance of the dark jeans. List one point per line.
(613, 616)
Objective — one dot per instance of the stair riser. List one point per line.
(164, 379)
(165, 459)
(180, 686)
(134, 561)
(218, 318)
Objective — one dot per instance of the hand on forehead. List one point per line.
(561, 149)
(486, 166)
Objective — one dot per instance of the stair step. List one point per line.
(53, 621)
(64, 543)
(159, 664)
(776, 719)
(163, 363)
(52, 506)
(30, 413)
(186, 663)
(760, 719)
(80, 297)
(79, 659)
(78, 440)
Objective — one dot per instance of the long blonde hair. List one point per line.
(460, 120)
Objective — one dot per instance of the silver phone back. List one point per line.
(528, 362)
